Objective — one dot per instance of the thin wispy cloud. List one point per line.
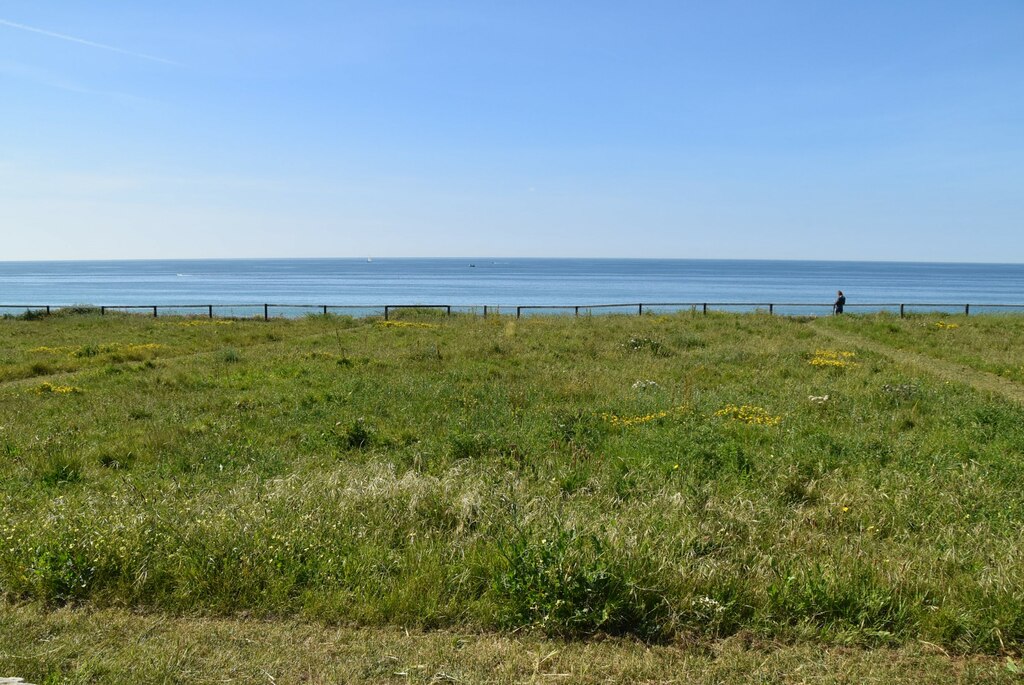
(82, 41)
(52, 80)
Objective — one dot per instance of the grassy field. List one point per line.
(836, 491)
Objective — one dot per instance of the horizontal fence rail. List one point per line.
(267, 311)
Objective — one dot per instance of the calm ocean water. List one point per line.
(504, 282)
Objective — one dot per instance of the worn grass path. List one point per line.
(117, 646)
(982, 381)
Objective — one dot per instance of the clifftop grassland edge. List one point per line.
(848, 480)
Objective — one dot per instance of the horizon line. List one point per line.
(370, 258)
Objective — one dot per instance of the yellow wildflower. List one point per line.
(50, 388)
(93, 350)
(51, 350)
(627, 421)
(832, 358)
(144, 346)
(405, 324)
(749, 414)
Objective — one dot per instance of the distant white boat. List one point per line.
(369, 259)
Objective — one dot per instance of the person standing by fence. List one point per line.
(837, 308)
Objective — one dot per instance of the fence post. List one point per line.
(577, 310)
(154, 311)
(387, 312)
(967, 310)
(901, 311)
(485, 311)
(449, 310)
(210, 308)
(705, 307)
(103, 310)
(771, 308)
(518, 311)
(325, 310)
(266, 312)
(47, 310)
(640, 309)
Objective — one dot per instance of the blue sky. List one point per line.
(790, 130)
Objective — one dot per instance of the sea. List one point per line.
(293, 287)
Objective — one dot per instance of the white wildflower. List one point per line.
(708, 605)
